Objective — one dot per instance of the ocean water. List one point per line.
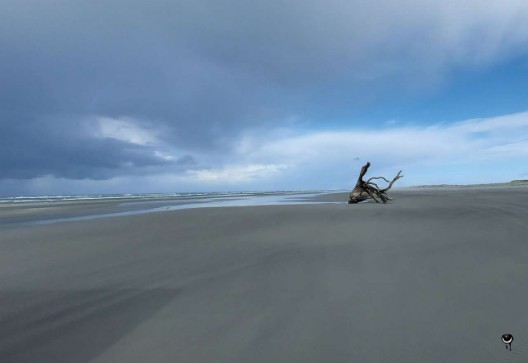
(138, 196)
(24, 210)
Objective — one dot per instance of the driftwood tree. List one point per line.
(368, 189)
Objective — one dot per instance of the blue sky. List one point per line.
(165, 96)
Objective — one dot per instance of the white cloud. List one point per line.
(472, 137)
(130, 130)
(322, 155)
(125, 129)
(234, 174)
(477, 150)
(164, 156)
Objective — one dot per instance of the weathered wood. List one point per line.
(368, 189)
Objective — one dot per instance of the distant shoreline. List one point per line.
(504, 184)
(8, 201)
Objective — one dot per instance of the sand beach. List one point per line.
(438, 275)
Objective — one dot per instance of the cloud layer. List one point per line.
(430, 154)
(108, 90)
(471, 151)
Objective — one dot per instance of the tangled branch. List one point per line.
(368, 189)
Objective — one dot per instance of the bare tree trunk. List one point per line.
(368, 189)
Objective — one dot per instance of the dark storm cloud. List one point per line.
(63, 61)
(32, 148)
(205, 70)
(186, 160)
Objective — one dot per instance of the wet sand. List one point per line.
(437, 276)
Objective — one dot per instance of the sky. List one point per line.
(137, 96)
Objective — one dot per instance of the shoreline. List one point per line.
(24, 214)
(65, 200)
(34, 213)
